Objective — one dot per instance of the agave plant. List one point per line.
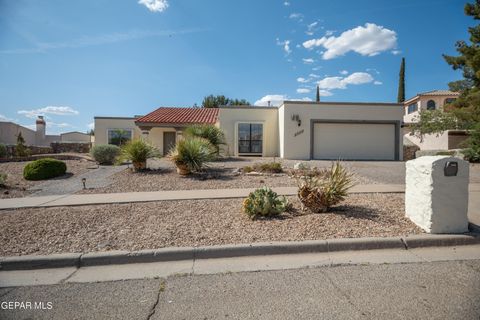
(211, 133)
(192, 154)
(325, 188)
(138, 151)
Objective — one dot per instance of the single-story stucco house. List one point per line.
(294, 130)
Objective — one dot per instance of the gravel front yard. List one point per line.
(191, 223)
(17, 186)
(220, 175)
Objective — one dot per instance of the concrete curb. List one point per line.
(228, 251)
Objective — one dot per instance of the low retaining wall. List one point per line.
(78, 147)
(11, 150)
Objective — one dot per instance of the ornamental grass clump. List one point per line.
(192, 154)
(213, 134)
(327, 187)
(138, 151)
(264, 202)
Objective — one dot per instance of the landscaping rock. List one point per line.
(300, 166)
(254, 173)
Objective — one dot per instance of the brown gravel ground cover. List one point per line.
(220, 175)
(191, 223)
(16, 185)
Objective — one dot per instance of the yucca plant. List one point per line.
(264, 202)
(209, 132)
(327, 187)
(138, 151)
(192, 154)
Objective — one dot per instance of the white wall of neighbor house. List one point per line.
(103, 124)
(422, 102)
(229, 117)
(9, 132)
(281, 131)
(75, 137)
(296, 140)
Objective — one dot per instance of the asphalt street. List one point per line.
(429, 290)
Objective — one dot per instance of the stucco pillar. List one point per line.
(436, 193)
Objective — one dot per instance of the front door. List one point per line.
(168, 141)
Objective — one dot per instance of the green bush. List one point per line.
(213, 134)
(445, 153)
(105, 153)
(3, 151)
(269, 167)
(264, 202)
(42, 169)
(138, 151)
(3, 179)
(193, 153)
(472, 153)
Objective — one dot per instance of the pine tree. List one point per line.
(401, 83)
(318, 94)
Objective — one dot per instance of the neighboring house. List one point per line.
(38, 137)
(430, 100)
(295, 130)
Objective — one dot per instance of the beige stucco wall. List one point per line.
(155, 137)
(75, 137)
(10, 130)
(102, 124)
(297, 138)
(229, 117)
(281, 131)
(422, 105)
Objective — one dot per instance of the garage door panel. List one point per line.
(352, 141)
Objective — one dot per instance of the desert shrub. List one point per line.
(3, 179)
(193, 153)
(472, 153)
(264, 202)
(20, 149)
(3, 150)
(325, 188)
(105, 153)
(138, 151)
(269, 167)
(213, 134)
(44, 169)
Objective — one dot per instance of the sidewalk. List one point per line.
(131, 197)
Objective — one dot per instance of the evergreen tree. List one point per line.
(401, 83)
(212, 101)
(20, 149)
(318, 94)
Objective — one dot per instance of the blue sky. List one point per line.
(73, 60)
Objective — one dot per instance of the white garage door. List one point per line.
(352, 141)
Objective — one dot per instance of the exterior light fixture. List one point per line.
(296, 117)
(84, 181)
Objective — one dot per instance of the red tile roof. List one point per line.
(174, 115)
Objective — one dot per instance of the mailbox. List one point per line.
(450, 169)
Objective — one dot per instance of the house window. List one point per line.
(412, 107)
(250, 138)
(431, 105)
(119, 137)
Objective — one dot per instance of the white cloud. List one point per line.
(155, 5)
(311, 28)
(313, 75)
(286, 3)
(302, 80)
(275, 100)
(344, 72)
(91, 125)
(395, 52)
(325, 93)
(5, 119)
(303, 90)
(60, 111)
(356, 78)
(59, 125)
(373, 70)
(308, 60)
(296, 16)
(377, 82)
(286, 46)
(368, 40)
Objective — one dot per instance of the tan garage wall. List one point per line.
(297, 139)
(102, 124)
(354, 141)
(229, 117)
(155, 137)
